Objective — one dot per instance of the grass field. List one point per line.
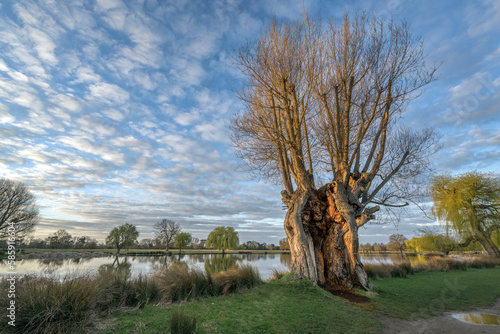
(297, 307)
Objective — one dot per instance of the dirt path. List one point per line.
(443, 324)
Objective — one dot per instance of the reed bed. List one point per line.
(46, 305)
(434, 263)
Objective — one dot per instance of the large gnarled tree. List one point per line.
(321, 105)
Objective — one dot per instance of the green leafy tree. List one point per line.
(122, 236)
(182, 240)
(442, 242)
(223, 238)
(469, 204)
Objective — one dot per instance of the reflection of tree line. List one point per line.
(213, 262)
(48, 266)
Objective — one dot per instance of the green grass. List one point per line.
(298, 307)
(272, 308)
(429, 293)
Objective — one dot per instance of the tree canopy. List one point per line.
(469, 203)
(397, 242)
(182, 240)
(322, 100)
(17, 207)
(122, 236)
(223, 238)
(166, 230)
(60, 239)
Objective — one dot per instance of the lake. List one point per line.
(147, 265)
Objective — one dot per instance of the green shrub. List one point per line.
(277, 274)
(181, 323)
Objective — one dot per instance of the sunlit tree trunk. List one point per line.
(324, 243)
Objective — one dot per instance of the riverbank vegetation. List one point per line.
(296, 306)
(49, 305)
(144, 304)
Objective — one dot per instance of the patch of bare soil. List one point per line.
(349, 295)
(442, 324)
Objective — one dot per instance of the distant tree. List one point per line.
(35, 243)
(397, 242)
(366, 247)
(284, 244)
(379, 247)
(60, 239)
(17, 208)
(146, 243)
(182, 240)
(122, 236)
(469, 204)
(223, 238)
(84, 242)
(166, 230)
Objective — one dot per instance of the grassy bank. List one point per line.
(177, 296)
(77, 305)
(298, 307)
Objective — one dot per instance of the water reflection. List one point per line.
(218, 264)
(50, 266)
(265, 263)
(121, 271)
(286, 259)
(478, 318)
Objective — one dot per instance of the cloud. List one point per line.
(5, 117)
(108, 93)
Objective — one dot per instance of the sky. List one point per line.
(117, 111)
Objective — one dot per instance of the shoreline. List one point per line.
(53, 254)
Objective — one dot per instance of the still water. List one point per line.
(147, 265)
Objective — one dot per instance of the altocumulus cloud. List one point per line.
(117, 111)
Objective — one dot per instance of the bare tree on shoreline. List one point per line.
(166, 230)
(321, 106)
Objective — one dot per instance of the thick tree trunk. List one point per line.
(488, 245)
(323, 235)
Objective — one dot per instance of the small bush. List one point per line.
(277, 274)
(48, 306)
(446, 264)
(139, 292)
(112, 282)
(236, 278)
(482, 262)
(181, 323)
(384, 270)
(178, 283)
